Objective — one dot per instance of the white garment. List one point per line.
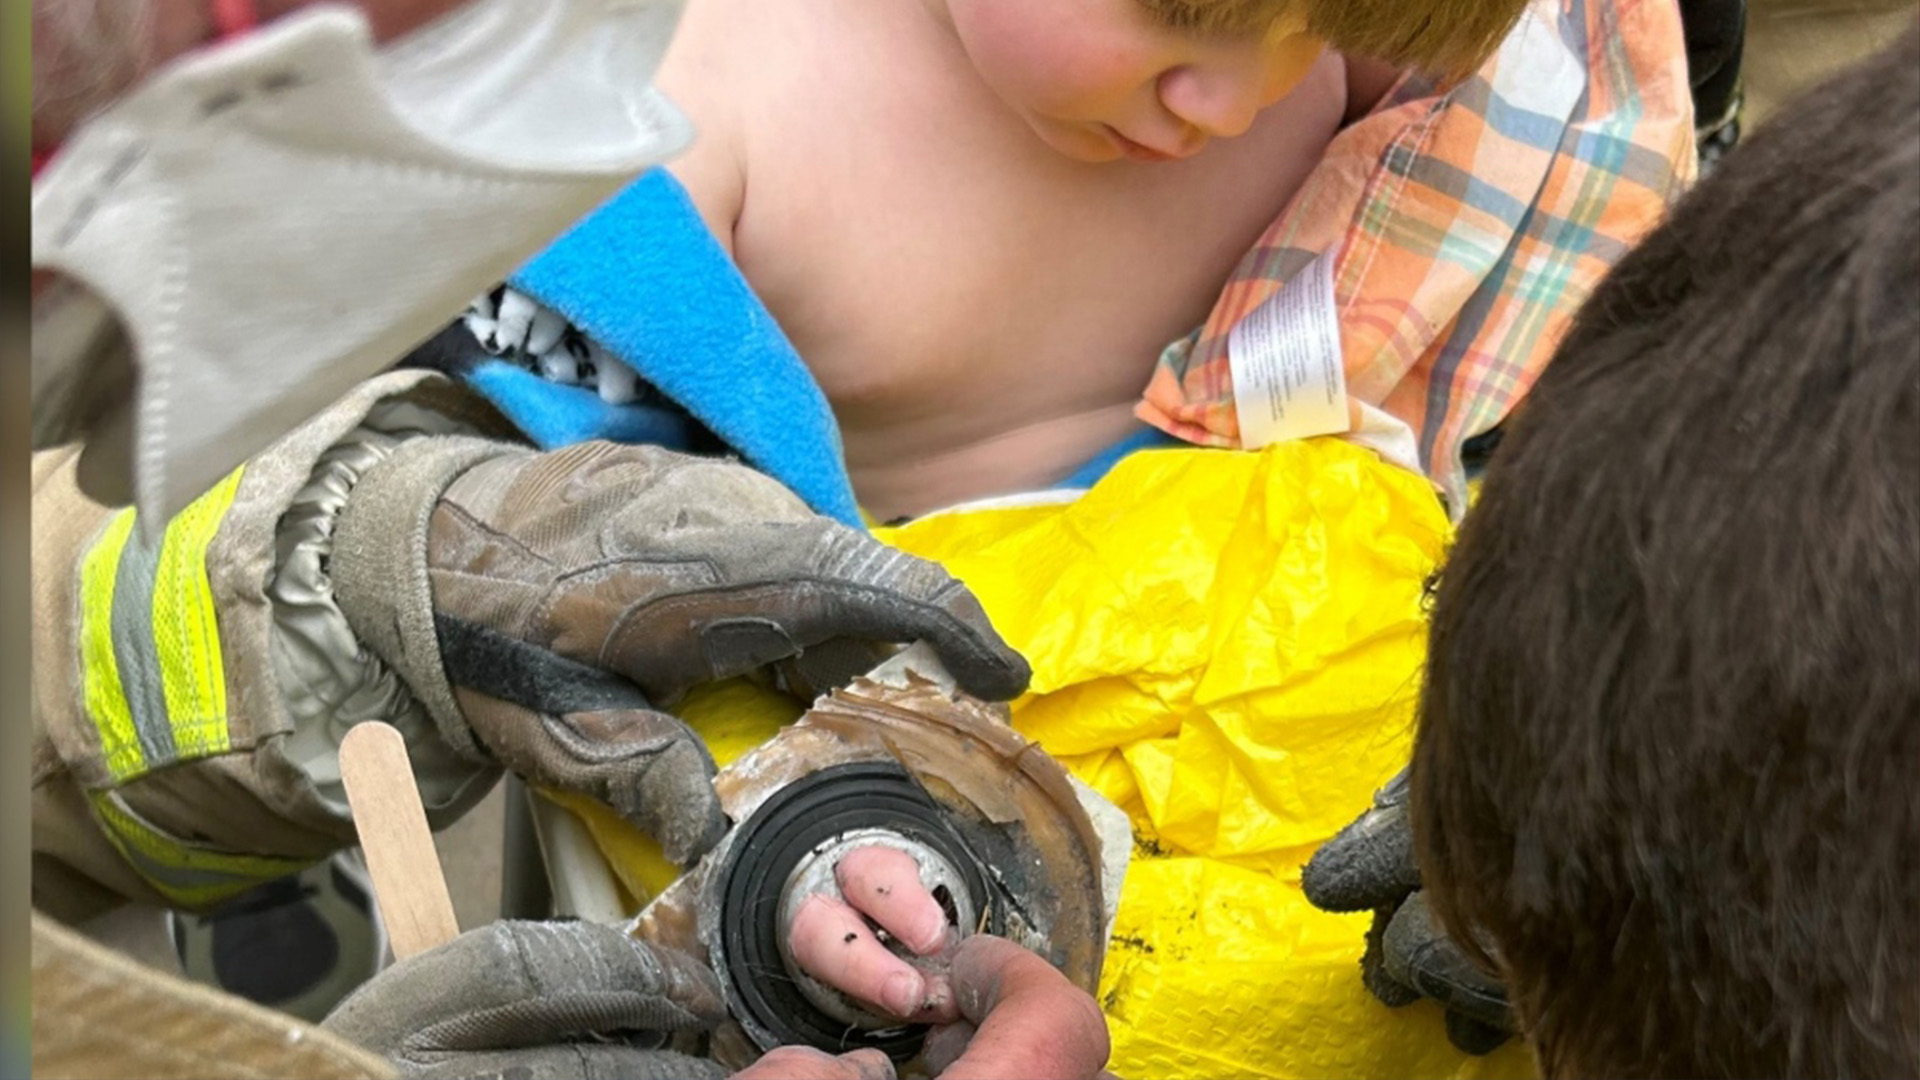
(274, 219)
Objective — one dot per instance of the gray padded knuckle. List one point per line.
(854, 558)
(633, 966)
(629, 750)
(515, 955)
(669, 491)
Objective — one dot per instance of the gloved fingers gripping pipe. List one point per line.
(1007, 842)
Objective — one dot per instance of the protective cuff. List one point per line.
(329, 682)
(380, 569)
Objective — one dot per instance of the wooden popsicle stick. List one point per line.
(407, 882)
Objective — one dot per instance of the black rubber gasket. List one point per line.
(788, 826)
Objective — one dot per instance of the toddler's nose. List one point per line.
(1221, 97)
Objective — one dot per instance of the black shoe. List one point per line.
(1715, 144)
(299, 944)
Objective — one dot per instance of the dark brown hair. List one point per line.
(1668, 761)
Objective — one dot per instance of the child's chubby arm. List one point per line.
(701, 75)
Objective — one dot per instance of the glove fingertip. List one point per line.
(981, 661)
(674, 802)
(997, 677)
(1340, 881)
(692, 830)
(704, 840)
(1368, 864)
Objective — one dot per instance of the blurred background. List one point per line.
(15, 82)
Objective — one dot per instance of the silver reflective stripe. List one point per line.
(134, 650)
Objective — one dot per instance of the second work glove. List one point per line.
(537, 1001)
(547, 606)
(1369, 866)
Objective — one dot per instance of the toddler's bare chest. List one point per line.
(918, 240)
(924, 271)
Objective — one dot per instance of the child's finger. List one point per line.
(884, 884)
(831, 942)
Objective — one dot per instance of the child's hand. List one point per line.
(832, 940)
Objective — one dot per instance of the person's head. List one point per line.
(1669, 738)
(1152, 79)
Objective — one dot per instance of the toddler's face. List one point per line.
(1100, 80)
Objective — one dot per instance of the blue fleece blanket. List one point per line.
(645, 279)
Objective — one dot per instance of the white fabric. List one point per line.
(280, 217)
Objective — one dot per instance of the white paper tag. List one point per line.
(1288, 382)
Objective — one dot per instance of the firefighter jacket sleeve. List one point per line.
(192, 679)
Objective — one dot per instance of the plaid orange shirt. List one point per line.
(1466, 228)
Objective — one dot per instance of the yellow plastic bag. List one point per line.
(1227, 645)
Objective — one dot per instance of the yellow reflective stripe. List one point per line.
(188, 876)
(100, 672)
(186, 631)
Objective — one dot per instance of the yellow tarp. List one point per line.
(1227, 645)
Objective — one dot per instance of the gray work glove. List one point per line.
(575, 593)
(1369, 865)
(537, 1001)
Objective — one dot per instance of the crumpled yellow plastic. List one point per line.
(1227, 645)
